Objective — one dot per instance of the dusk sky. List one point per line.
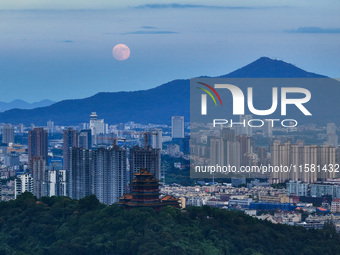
(63, 49)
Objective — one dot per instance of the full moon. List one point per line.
(121, 52)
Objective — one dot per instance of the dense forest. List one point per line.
(60, 225)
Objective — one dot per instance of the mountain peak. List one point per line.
(266, 59)
(265, 67)
(270, 61)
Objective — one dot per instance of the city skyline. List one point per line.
(48, 48)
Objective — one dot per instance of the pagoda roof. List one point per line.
(126, 196)
(169, 198)
(144, 172)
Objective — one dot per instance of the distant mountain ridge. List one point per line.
(266, 67)
(157, 105)
(21, 104)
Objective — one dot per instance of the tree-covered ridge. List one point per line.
(60, 225)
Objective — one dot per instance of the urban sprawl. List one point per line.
(103, 159)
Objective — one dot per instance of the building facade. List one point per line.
(70, 139)
(147, 158)
(306, 159)
(8, 133)
(23, 183)
(85, 139)
(177, 126)
(79, 173)
(39, 177)
(297, 188)
(37, 145)
(109, 174)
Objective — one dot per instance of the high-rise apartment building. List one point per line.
(85, 139)
(37, 146)
(216, 151)
(327, 159)
(177, 127)
(246, 148)
(56, 182)
(70, 139)
(21, 128)
(79, 173)
(37, 143)
(268, 128)
(280, 155)
(39, 177)
(23, 183)
(50, 126)
(56, 178)
(225, 150)
(303, 161)
(109, 174)
(97, 127)
(156, 140)
(262, 155)
(332, 137)
(242, 128)
(147, 158)
(102, 172)
(8, 133)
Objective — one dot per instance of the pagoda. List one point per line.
(145, 193)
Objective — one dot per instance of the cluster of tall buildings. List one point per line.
(232, 149)
(303, 157)
(103, 171)
(214, 146)
(86, 160)
(225, 150)
(307, 163)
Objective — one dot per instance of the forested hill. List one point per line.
(60, 225)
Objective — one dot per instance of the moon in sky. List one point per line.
(121, 52)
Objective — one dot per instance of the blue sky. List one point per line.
(62, 49)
